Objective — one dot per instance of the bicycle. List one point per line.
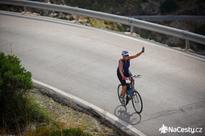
(131, 94)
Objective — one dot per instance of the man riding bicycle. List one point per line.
(123, 69)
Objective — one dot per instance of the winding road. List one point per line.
(82, 61)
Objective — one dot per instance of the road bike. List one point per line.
(131, 94)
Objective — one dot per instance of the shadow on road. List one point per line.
(131, 118)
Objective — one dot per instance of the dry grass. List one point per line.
(66, 117)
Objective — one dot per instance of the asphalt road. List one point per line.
(83, 61)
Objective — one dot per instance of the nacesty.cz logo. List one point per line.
(165, 129)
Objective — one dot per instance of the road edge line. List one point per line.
(120, 124)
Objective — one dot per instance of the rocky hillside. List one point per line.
(141, 7)
(138, 7)
(146, 7)
(151, 7)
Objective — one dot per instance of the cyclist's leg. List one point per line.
(124, 90)
(132, 81)
(123, 83)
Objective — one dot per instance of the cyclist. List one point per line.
(123, 69)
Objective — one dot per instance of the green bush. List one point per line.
(14, 78)
(168, 6)
(106, 25)
(35, 113)
(16, 109)
(200, 29)
(121, 7)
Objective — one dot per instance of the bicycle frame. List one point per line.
(134, 95)
(131, 78)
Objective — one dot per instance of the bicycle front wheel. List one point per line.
(137, 102)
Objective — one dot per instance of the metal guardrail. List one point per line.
(161, 18)
(188, 36)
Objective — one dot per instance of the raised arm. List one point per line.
(136, 55)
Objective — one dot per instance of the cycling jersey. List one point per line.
(126, 65)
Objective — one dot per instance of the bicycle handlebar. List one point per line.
(136, 76)
(127, 80)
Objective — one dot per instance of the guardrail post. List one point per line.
(77, 18)
(25, 9)
(131, 29)
(187, 45)
(46, 12)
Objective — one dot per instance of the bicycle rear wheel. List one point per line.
(137, 102)
(121, 99)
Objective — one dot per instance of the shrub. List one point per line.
(106, 25)
(14, 81)
(14, 78)
(200, 29)
(16, 110)
(168, 6)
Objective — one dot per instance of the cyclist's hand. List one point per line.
(143, 49)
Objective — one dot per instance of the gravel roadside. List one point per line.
(70, 118)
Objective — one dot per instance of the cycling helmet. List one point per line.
(125, 53)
